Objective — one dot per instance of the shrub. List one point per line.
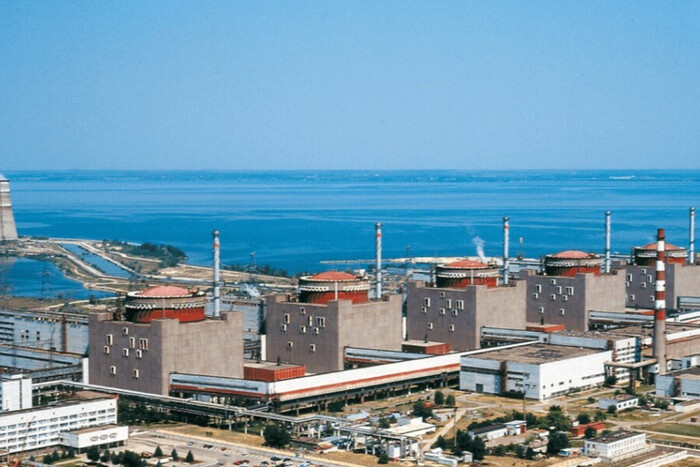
(439, 398)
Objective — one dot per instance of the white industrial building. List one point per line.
(615, 446)
(108, 435)
(43, 427)
(681, 383)
(541, 371)
(620, 402)
(15, 392)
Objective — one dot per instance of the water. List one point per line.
(24, 277)
(97, 261)
(293, 220)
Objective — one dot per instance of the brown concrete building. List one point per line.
(681, 280)
(567, 299)
(456, 315)
(140, 356)
(315, 334)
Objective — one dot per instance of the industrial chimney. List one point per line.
(691, 246)
(607, 265)
(660, 303)
(217, 279)
(506, 263)
(8, 229)
(378, 247)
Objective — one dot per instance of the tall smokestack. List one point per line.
(8, 229)
(217, 279)
(660, 303)
(378, 247)
(607, 242)
(691, 246)
(506, 263)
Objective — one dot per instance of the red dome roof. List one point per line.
(165, 291)
(333, 276)
(652, 246)
(572, 254)
(467, 264)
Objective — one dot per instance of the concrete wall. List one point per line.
(567, 300)
(457, 315)
(40, 330)
(211, 347)
(681, 280)
(315, 335)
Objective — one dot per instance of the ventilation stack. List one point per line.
(691, 246)
(217, 278)
(506, 262)
(660, 303)
(378, 247)
(8, 229)
(606, 267)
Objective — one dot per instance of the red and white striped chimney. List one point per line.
(660, 303)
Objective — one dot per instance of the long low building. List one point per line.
(681, 383)
(541, 371)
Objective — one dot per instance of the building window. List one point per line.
(125, 352)
(132, 342)
(143, 344)
(135, 374)
(651, 298)
(285, 318)
(553, 282)
(139, 354)
(538, 288)
(569, 290)
(321, 322)
(427, 301)
(112, 370)
(535, 295)
(559, 289)
(125, 331)
(455, 312)
(302, 329)
(649, 279)
(448, 303)
(290, 345)
(311, 320)
(38, 335)
(565, 297)
(312, 348)
(424, 310)
(632, 297)
(442, 311)
(430, 325)
(452, 328)
(283, 328)
(629, 277)
(316, 330)
(442, 294)
(460, 304)
(644, 271)
(302, 311)
(541, 310)
(561, 311)
(110, 339)
(643, 285)
(553, 297)
(105, 350)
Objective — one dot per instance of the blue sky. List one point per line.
(349, 85)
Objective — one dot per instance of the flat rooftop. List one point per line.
(95, 428)
(536, 354)
(689, 373)
(268, 365)
(612, 437)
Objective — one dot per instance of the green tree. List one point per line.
(189, 458)
(584, 418)
(93, 453)
(105, 456)
(555, 418)
(529, 453)
(590, 432)
(450, 401)
(55, 456)
(599, 416)
(420, 410)
(612, 409)
(336, 406)
(158, 452)
(439, 398)
(557, 442)
(441, 443)
(591, 400)
(174, 455)
(276, 436)
(47, 459)
(383, 458)
(383, 423)
(500, 450)
(131, 459)
(478, 449)
(610, 380)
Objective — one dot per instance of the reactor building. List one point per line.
(8, 229)
(164, 331)
(331, 311)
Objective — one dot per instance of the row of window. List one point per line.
(302, 329)
(125, 352)
(320, 320)
(443, 311)
(633, 297)
(459, 304)
(143, 343)
(553, 297)
(562, 311)
(569, 290)
(312, 347)
(450, 328)
(135, 373)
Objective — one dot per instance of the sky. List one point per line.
(349, 85)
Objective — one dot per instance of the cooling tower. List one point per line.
(8, 230)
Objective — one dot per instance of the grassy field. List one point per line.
(675, 429)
